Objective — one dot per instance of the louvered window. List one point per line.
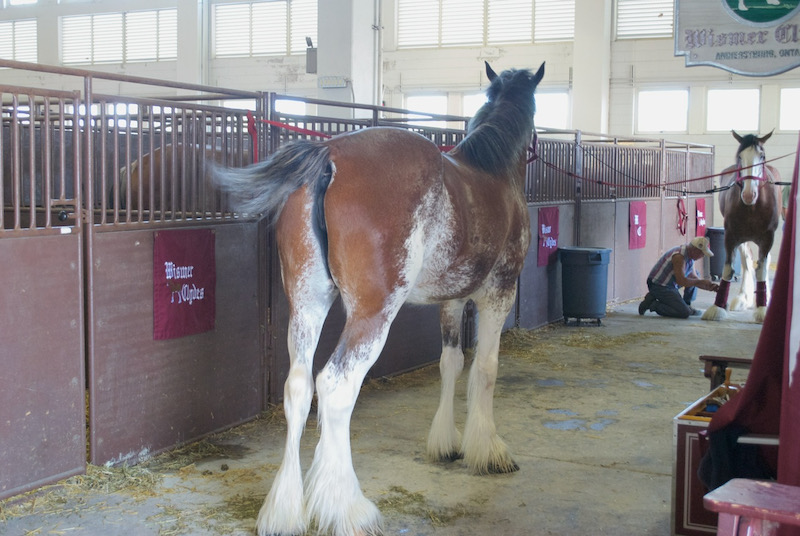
(554, 20)
(441, 23)
(18, 40)
(120, 37)
(272, 28)
(637, 19)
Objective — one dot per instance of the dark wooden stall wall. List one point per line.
(42, 404)
(147, 396)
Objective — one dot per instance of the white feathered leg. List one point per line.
(444, 440)
(484, 451)
(283, 511)
(310, 297)
(745, 298)
(333, 494)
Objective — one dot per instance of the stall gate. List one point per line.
(89, 182)
(42, 412)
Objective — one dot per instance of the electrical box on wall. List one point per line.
(311, 60)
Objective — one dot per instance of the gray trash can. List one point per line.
(584, 282)
(716, 264)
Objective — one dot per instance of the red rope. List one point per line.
(253, 131)
(296, 129)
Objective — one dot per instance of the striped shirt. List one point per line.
(663, 274)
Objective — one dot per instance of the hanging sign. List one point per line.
(700, 217)
(184, 283)
(637, 225)
(548, 236)
(749, 37)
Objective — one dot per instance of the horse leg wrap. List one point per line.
(761, 294)
(722, 294)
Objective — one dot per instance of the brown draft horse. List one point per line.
(381, 217)
(178, 176)
(750, 210)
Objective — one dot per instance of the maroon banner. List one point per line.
(637, 225)
(700, 213)
(184, 283)
(548, 236)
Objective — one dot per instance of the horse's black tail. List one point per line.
(263, 188)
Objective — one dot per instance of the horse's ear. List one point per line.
(539, 75)
(765, 137)
(735, 135)
(490, 72)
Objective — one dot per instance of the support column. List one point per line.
(591, 68)
(348, 52)
(192, 52)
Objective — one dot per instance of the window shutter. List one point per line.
(232, 29)
(107, 38)
(268, 35)
(554, 20)
(76, 35)
(167, 34)
(510, 22)
(18, 40)
(140, 29)
(303, 24)
(462, 22)
(644, 18)
(418, 23)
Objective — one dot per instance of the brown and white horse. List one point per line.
(381, 217)
(750, 210)
(175, 177)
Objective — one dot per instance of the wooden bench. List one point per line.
(715, 367)
(753, 507)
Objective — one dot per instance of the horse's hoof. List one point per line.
(760, 314)
(498, 469)
(715, 313)
(453, 456)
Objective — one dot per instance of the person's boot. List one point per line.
(646, 303)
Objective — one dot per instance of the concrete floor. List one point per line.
(587, 412)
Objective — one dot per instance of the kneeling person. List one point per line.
(673, 270)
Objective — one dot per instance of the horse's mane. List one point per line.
(502, 128)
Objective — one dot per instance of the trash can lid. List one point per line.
(578, 249)
(584, 255)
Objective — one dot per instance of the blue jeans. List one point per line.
(668, 300)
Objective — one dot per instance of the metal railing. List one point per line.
(115, 161)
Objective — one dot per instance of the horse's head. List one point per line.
(751, 170)
(516, 86)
